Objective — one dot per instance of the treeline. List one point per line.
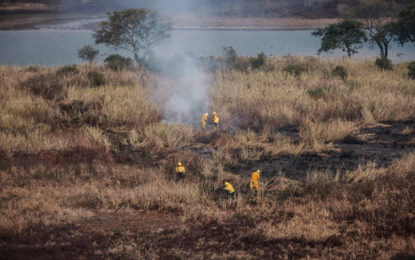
(239, 8)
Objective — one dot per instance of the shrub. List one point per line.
(294, 70)
(47, 86)
(340, 71)
(117, 62)
(33, 69)
(230, 56)
(259, 61)
(411, 70)
(383, 63)
(88, 53)
(96, 79)
(241, 65)
(316, 93)
(68, 70)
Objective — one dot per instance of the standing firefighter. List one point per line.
(204, 118)
(180, 170)
(230, 189)
(254, 180)
(215, 119)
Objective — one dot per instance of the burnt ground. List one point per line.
(378, 143)
(107, 234)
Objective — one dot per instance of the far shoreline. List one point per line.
(91, 22)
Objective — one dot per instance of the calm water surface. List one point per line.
(59, 47)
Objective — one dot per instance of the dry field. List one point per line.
(86, 171)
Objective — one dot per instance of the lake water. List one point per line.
(60, 47)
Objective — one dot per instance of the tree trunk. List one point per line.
(380, 45)
(386, 49)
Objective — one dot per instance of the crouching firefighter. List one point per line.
(180, 170)
(230, 189)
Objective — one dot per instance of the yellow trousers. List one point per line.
(253, 184)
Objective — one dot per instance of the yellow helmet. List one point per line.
(179, 164)
(258, 171)
(214, 113)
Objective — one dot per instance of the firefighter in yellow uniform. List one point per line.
(180, 170)
(204, 118)
(230, 189)
(254, 180)
(215, 119)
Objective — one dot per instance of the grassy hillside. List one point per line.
(87, 165)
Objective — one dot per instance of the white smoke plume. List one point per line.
(183, 92)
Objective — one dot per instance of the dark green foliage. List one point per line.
(406, 25)
(230, 56)
(258, 62)
(117, 62)
(242, 65)
(96, 79)
(384, 63)
(340, 71)
(47, 86)
(411, 70)
(88, 53)
(347, 36)
(294, 70)
(316, 93)
(33, 69)
(71, 69)
(134, 30)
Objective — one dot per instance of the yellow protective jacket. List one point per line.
(180, 169)
(255, 177)
(229, 187)
(254, 181)
(215, 119)
(204, 118)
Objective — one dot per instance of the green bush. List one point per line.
(316, 93)
(68, 70)
(340, 71)
(411, 70)
(259, 61)
(383, 63)
(33, 69)
(294, 70)
(241, 65)
(117, 62)
(230, 56)
(47, 86)
(96, 79)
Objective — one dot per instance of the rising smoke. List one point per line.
(183, 91)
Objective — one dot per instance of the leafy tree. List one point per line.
(406, 25)
(134, 30)
(346, 35)
(377, 17)
(117, 62)
(88, 53)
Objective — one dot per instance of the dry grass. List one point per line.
(69, 158)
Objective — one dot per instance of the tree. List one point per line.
(406, 25)
(377, 17)
(346, 35)
(88, 53)
(134, 30)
